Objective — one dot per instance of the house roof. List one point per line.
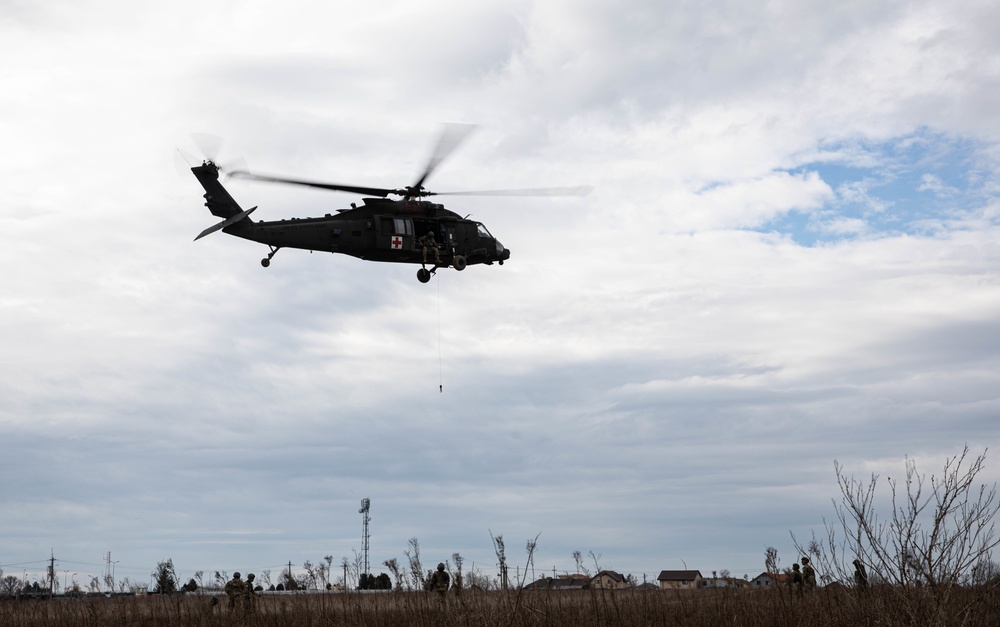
(563, 582)
(678, 575)
(731, 582)
(777, 577)
(616, 576)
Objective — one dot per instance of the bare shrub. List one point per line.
(924, 548)
(416, 569)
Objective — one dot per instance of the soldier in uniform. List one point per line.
(808, 574)
(235, 590)
(796, 579)
(428, 242)
(860, 576)
(440, 580)
(250, 599)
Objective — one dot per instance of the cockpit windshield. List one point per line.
(482, 230)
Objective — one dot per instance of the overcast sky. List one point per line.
(790, 257)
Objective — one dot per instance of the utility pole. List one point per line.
(109, 572)
(52, 574)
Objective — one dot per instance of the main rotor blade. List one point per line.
(535, 191)
(451, 136)
(365, 191)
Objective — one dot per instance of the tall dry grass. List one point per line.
(832, 607)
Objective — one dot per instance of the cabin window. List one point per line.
(402, 226)
(397, 226)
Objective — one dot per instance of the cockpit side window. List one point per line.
(482, 231)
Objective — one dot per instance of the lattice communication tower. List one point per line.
(365, 506)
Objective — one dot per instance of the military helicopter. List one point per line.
(410, 230)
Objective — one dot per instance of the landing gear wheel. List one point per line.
(459, 262)
(423, 275)
(266, 261)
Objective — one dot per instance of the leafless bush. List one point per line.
(416, 569)
(500, 550)
(938, 532)
(397, 574)
(456, 577)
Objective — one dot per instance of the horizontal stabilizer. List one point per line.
(227, 222)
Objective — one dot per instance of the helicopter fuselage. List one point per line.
(381, 229)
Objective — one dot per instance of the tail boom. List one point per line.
(219, 201)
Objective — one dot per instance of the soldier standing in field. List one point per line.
(440, 580)
(250, 600)
(808, 575)
(860, 576)
(797, 579)
(235, 590)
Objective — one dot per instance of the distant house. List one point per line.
(725, 582)
(769, 580)
(539, 584)
(570, 582)
(608, 579)
(679, 579)
(563, 582)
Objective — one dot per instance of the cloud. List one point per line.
(789, 258)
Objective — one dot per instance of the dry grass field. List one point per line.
(771, 608)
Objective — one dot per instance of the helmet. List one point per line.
(441, 566)
(250, 577)
(236, 575)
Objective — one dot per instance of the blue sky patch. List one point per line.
(909, 185)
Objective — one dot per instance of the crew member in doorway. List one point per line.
(428, 242)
